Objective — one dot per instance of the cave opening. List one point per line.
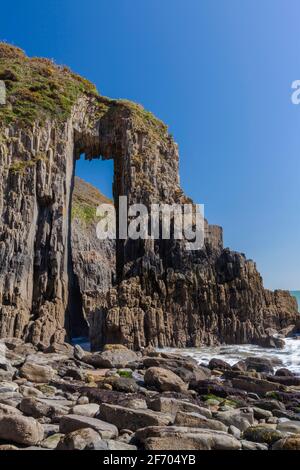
(91, 262)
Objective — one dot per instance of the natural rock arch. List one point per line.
(164, 296)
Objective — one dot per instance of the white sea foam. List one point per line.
(290, 355)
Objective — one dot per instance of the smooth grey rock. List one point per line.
(132, 419)
(70, 423)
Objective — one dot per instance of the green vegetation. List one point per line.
(19, 166)
(125, 373)
(37, 88)
(84, 212)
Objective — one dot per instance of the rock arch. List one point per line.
(164, 296)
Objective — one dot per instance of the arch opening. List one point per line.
(91, 262)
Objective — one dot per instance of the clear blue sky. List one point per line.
(219, 73)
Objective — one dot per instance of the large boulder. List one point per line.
(164, 380)
(185, 438)
(172, 406)
(240, 418)
(260, 364)
(195, 420)
(218, 364)
(70, 423)
(20, 429)
(36, 372)
(109, 359)
(81, 439)
(254, 385)
(128, 418)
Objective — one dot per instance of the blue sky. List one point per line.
(219, 73)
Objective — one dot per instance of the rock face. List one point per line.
(162, 294)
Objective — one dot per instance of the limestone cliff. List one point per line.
(161, 294)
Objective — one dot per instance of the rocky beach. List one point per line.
(68, 399)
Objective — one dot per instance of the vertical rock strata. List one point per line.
(162, 294)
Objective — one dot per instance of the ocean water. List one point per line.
(296, 293)
(290, 355)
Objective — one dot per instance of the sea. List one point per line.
(289, 355)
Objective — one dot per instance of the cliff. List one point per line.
(53, 282)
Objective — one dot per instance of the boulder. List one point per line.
(195, 420)
(8, 410)
(37, 373)
(240, 418)
(259, 386)
(260, 364)
(81, 439)
(90, 410)
(70, 423)
(110, 359)
(164, 380)
(35, 408)
(271, 341)
(20, 429)
(172, 406)
(218, 364)
(287, 443)
(185, 438)
(262, 434)
(128, 418)
(283, 372)
(289, 426)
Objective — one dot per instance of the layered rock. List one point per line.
(162, 295)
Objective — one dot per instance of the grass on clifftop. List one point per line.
(37, 88)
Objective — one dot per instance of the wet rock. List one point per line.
(262, 434)
(72, 423)
(260, 364)
(20, 429)
(251, 384)
(132, 419)
(81, 439)
(37, 373)
(183, 438)
(219, 364)
(266, 341)
(164, 380)
(283, 372)
(195, 420)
